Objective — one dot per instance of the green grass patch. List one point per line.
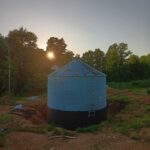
(17, 98)
(126, 126)
(117, 98)
(2, 139)
(50, 127)
(148, 91)
(91, 129)
(130, 85)
(5, 118)
(147, 108)
(138, 91)
(146, 121)
(39, 130)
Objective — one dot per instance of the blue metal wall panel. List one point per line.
(76, 93)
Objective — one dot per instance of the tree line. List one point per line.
(29, 65)
(119, 63)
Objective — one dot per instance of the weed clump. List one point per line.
(5, 118)
(91, 128)
(53, 130)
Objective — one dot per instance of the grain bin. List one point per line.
(76, 95)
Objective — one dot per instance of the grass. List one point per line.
(5, 118)
(2, 139)
(147, 108)
(91, 129)
(117, 98)
(50, 127)
(130, 85)
(40, 130)
(58, 130)
(7, 100)
(127, 126)
(131, 119)
(148, 91)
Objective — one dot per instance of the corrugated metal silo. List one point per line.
(76, 95)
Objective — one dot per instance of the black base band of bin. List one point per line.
(73, 119)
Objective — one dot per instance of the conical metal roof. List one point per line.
(76, 68)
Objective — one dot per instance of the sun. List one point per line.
(50, 55)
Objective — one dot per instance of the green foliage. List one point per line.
(30, 66)
(3, 65)
(5, 118)
(21, 42)
(58, 47)
(116, 57)
(91, 128)
(95, 59)
(133, 59)
(145, 59)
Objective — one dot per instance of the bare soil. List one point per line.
(89, 141)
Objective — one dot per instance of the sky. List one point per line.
(84, 24)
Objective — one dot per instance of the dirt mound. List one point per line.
(116, 107)
(41, 114)
(4, 108)
(36, 113)
(26, 141)
(146, 100)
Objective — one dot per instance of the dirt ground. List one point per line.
(4, 108)
(101, 140)
(98, 141)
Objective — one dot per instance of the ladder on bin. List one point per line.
(91, 111)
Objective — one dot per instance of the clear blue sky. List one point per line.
(84, 24)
